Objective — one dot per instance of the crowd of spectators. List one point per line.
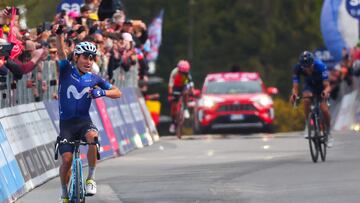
(345, 70)
(122, 43)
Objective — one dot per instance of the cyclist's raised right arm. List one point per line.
(60, 44)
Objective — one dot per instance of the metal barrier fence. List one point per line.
(42, 84)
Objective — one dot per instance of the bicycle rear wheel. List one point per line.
(313, 140)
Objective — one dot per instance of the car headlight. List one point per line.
(209, 102)
(263, 100)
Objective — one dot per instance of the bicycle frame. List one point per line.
(180, 107)
(317, 131)
(76, 187)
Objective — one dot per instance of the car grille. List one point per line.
(236, 107)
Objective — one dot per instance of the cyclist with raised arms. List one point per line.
(180, 80)
(316, 83)
(78, 86)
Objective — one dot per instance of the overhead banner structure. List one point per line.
(69, 5)
(339, 28)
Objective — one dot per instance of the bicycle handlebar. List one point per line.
(77, 143)
(307, 97)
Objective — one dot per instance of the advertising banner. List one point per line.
(118, 125)
(106, 149)
(11, 179)
(69, 5)
(138, 116)
(101, 107)
(49, 133)
(148, 118)
(52, 108)
(26, 136)
(129, 122)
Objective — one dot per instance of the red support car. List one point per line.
(232, 101)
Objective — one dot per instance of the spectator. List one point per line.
(84, 18)
(108, 8)
(346, 67)
(355, 52)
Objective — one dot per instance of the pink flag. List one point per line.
(18, 47)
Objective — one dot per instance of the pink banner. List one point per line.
(100, 104)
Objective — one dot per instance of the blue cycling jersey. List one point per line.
(319, 75)
(73, 91)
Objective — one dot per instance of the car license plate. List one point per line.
(237, 117)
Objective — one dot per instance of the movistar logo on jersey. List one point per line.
(77, 95)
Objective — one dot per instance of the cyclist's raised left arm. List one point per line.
(114, 92)
(110, 90)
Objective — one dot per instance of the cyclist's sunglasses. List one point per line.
(89, 55)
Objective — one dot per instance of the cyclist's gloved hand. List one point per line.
(97, 92)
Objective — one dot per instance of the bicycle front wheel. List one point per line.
(313, 139)
(79, 183)
(179, 119)
(179, 125)
(322, 146)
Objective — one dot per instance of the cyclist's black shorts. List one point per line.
(178, 91)
(73, 129)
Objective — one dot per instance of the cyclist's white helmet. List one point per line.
(85, 48)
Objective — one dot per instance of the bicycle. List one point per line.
(180, 118)
(76, 188)
(317, 130)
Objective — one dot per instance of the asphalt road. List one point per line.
(232, 168)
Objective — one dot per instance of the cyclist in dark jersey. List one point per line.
(316, 83)
(78, 86)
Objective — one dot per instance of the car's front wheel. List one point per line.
(198, 129)
(269, 128)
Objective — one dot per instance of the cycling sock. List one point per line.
(64, 191)
(91, 173)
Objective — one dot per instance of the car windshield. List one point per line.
(233, 87)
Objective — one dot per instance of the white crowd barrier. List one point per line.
(28, 133)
